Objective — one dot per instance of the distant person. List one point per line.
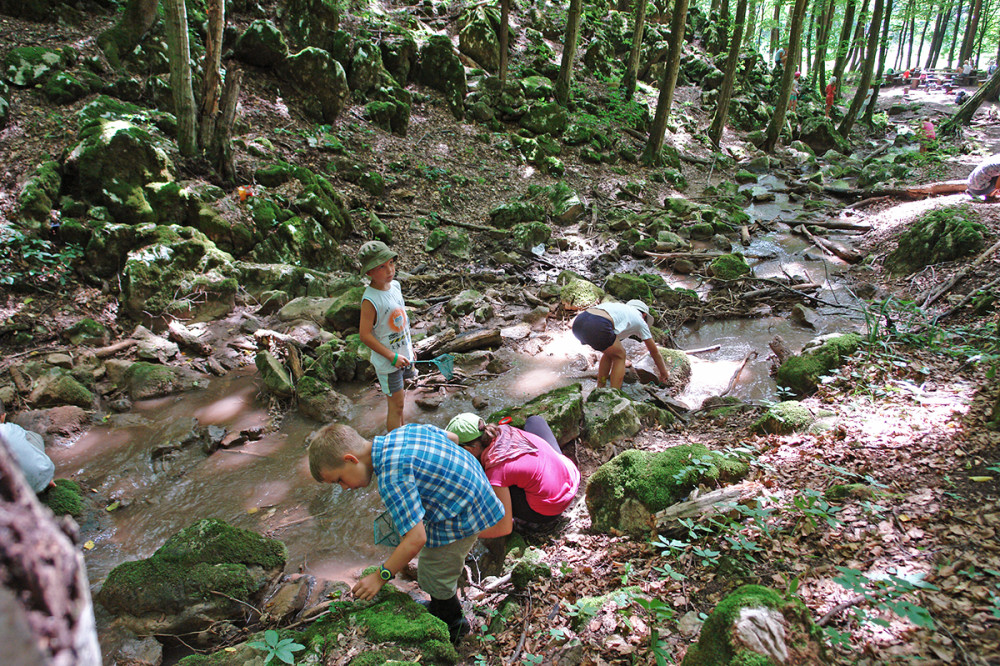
(385, 327)
(528, 472)
(928, 134)
(604, 326)
(794, 102)
(831, 93)
(984, 181)
(967, 67)
(961, 96)
(779, 58)
(436, 494)
(992, 68)
(28, 449)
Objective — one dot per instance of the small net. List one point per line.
(445, 364)
(385, 531)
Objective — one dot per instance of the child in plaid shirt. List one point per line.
(436, 493)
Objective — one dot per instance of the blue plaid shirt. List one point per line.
(423, 475)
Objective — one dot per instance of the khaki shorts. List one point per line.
(438, 568)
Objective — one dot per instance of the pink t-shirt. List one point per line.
(929, 130)
(549, 479)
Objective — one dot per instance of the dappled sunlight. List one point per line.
(268, 493)
(227, 408)
(903, 214)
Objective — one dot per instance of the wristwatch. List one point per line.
(384, 573)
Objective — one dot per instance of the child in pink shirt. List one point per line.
(929, 134)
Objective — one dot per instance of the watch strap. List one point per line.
(384, 573)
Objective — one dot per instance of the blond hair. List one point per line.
(329, 445)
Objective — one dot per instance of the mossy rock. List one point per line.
(562, 408)
(729, 267)
(577, 293)
(25, 66)
(509, 214)
(274, 375)
(801, 374)
(588, 607)
(143, 380)
(59, 387)
(625, 287)
(440, 68)
(65, 498)
(625, 492)
(345, 311)
(321, 79)
(610, 416)
(941, 235)
(526, 567)
(261, 45)
(177, 588)
(38, 196)
(545, 118)
(529, 234)
(784, 418)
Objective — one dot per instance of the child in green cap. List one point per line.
(385, 327)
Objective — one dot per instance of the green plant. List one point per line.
(275, 646)
(30, 262)
(882, 592)
(811, 505)
(661, 614)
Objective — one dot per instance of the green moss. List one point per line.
(729, 267)
(941, 235)
(801, 374)
(625, 287)
(784, 418)
(714, 647)
(528, 567)
(562, 408)
(64, 498)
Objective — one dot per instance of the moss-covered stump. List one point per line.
(143, 380)
(625, 492)
(801, 374)
(940, 235)
(392, 629)
(756, 626)
(64, 498)
(784, 418)
(204, 574)
(562, 408)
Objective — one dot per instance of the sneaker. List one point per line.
(459, 629)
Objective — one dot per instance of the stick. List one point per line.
(736, 375)
(237, 601)
(946, 287)
(968, 297)
(702, 350)
(246, 453)
(115, 348)
(524, 632)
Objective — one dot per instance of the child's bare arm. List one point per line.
(365, 330)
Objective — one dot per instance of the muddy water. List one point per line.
(265, 485)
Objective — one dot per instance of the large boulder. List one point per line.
(113, 160)
(318, 400)
(562, 408)
(261, 45)
(625, 492)
(441, 69)
(310, 22)
(546, 118)
(366, 71)
(625, 287)
(345, 309)
(941, 235)
(321, 79)
(25, 66)
(143, 380)
(575, 293)
(611, 416)
(821, 135)
(399, 55)
(59, 387)
(479, 36)
(756, 625)
(801, 374)
(206, 573)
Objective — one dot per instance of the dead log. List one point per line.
(716, 501)
(480, 339)
(957, 277)
(769, 291)
(187, 338)
(779, 348)
(744, 235)
(837, 249)
(111, 350)
(692, 256)
(915, 192)
(941, 187)
(48, 615)
(842, 225)
(429, 346)
(21, 383)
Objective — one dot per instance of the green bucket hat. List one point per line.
(373, 254)
(466, 426)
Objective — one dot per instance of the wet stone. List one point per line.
(429, 401)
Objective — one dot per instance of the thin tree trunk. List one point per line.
(632, 69)
(179, 50)
(569, 52)
(843, 44)
(901, 46)
(655, 143)
(776, 30)
(936, 36)
(923, 35)
(818, 72)
(505, 38)
(987, 11)
(969, 40)
(212, 83)
(220, 150)
(866, 73)
(913, 31)
(954, 36)
(794, 42)
(964, 114)
(750, 32)
(726, 91)
(883, 51)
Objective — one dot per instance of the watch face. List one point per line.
(385, 574)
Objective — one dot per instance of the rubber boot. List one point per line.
(450, 611)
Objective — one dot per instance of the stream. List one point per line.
(265, 484)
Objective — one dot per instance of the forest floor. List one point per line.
(911, 427)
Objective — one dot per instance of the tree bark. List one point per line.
(818, 72)
(179, 50)
(504, 39)
(884, 42)
(48, 615)
(632, 69)
(843, 44)
(776, 30)
(726, 91)
(138, 17)
(220, 150)
(655, 143)
(954, 36)
(969, 40)
(569, 52)
(794, 40)
(212, 84)
(866, 74)
(965, 112)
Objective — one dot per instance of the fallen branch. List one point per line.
(968, 297)
(715, 501)
(702, 350)
(110, 350)
(736, 375)
(845, 252)
(955, 279)
(239, 601)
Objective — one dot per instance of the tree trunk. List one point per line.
(901, 44)
(794, 40)
(909, 49)
(964, 114)
(937, 36)
(220, 149)
(726, 90)
(632, 69)
(978, 48)
(750, 32)
(859, 37)
(569, 52)
(212, 84)
(776, 30)
(505, 38)
(843, 44)
(45, 604)
(651, 153)
(954, 36)
(179, 50)
(923, 35)
(818, 72)
(866, 73)
(884, 43)
(138, 17)
(969, 40)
